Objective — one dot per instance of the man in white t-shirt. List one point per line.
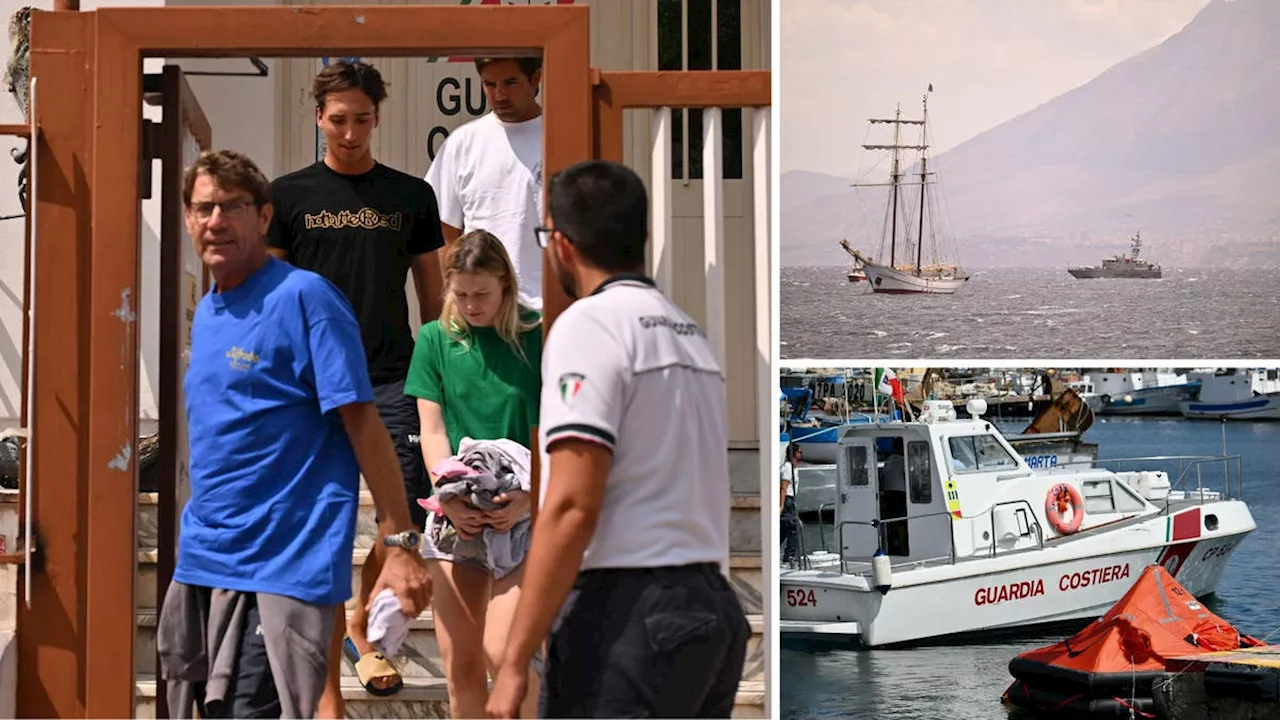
(790, 521)
(488, 173)
(634, 518)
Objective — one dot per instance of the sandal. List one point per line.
(372, 666)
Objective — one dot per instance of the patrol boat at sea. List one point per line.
(1121, 266)
(943, 529)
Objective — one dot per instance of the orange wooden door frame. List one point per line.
(76, 637)
(614, 92)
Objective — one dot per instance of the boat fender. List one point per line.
(1106, 400)
(881, 571)
(1059, 498)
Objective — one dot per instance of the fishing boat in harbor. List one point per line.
(1130, 391)
(911, 269)
(948, 508)
(1234, 394)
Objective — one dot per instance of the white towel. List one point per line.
(388, 625)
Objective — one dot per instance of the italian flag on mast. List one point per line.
(887, 384)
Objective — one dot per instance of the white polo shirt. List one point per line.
(628, 369)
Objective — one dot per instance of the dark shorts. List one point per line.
(400, 414)
(654, 642)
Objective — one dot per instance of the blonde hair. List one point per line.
(479, 251)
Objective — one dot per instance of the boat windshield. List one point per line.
(979, 453)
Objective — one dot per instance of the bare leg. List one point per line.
(331, 706)
(459, 598)
(497, 623)
(357, 624)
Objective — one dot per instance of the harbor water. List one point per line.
(1009, 313)
(967, 680)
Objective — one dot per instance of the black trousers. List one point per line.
(664, 642)
(399, 413)
(790, 527)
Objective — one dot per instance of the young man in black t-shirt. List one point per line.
(365, 226)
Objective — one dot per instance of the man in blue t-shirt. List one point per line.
(281, 424)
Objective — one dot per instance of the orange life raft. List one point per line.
(1108, 667)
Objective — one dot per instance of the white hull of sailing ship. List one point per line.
(889, 280)
(950, 512)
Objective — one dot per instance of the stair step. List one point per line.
(419, 656)
(744, 574)
(424, 698)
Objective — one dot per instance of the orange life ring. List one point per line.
(1060, 497)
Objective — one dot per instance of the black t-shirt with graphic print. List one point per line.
(362, 233)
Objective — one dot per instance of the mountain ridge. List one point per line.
(1180, 141)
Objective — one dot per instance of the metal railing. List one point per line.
(1031, 516)
(951, 557)
(1186, 464)
(877, 524)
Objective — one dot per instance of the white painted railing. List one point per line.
(661, 242)
(766, 283)
(713, 222)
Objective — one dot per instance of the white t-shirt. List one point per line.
(626, 368)
(488, 175)
(789, 474)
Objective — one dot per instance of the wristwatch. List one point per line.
(407, 539)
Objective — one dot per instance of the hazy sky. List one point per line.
(844, 61)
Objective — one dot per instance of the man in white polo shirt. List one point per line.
(634, 515)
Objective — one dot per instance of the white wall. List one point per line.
(12, 260)
(242, 111)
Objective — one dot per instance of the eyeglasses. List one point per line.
(543, 235)
(230, 208)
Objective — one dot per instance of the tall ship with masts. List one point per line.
(912, 268)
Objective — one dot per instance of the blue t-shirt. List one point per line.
(274, 480)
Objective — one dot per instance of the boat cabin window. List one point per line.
(855, 457)
(1098, 497)
(919, 472)
(979, 453)
(1105, 496)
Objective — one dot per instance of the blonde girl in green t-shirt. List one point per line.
(475, 373)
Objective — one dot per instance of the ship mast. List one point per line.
(924, 172)
(895, 176)
(893, 232)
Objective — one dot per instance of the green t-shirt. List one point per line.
(485, 390)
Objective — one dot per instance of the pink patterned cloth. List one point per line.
(432, 504)
(453, 467)
(450, 467)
